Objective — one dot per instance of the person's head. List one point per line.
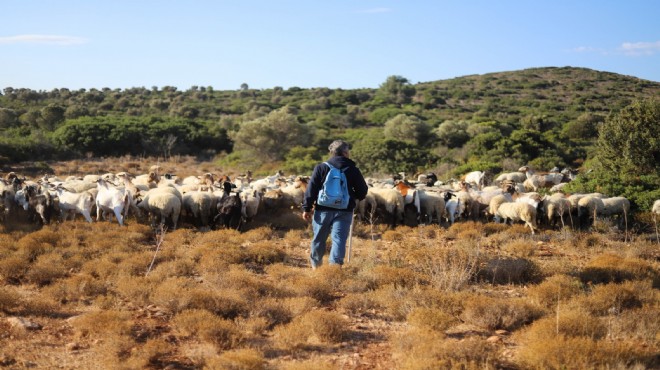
(339, 147)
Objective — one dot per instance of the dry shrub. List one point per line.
(590, 240)
(136, 264)
(77, 288)
(397, 302)
(566, 323)
(282, 273)
(108, 322)
(393, 235)
(357, 303)
(578, 353)
(37, 243)
(7, 244)
(316, 287)
(616, 298)
(491, 228)
(251, 285)
(382, 275)
(198, 353)
(102, 268)
(520, 248)
(263, 252)
(218, 239)
(499, 313)
(335, 275)
(519, 229)
(208, 327)
(136, 289)
(239, 359)
(9, 300)
(226, 303)
(47, 268)
(258, 234)
(151, 354)
(13, 269)
(640, 324)
(300, 305)
(554, 289)
(312, 327)
(610, 267)
(175, 268)
(429, 349)
(431, 318)
(314, 364)
(510, 271)
(173, 294)
(273, 311)
(448, 268)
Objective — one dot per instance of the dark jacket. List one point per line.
(357, 187)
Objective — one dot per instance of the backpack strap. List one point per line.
(332, 167)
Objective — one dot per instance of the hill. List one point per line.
(542, 116)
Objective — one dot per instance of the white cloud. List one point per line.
(640, 48)
(375, 10)
(43, 39)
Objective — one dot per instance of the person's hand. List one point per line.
(307, 216)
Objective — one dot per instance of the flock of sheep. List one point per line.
(209, 201)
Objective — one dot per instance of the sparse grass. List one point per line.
(556, 288)
(206, 326)
(239, 359)
(510, 271)
(314, 327)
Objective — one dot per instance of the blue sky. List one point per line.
(47, 44)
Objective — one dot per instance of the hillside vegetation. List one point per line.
(542, 117)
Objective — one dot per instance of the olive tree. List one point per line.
(270, 137)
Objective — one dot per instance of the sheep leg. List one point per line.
(117, 211)
(85, 214)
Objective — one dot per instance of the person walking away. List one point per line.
(327, 220)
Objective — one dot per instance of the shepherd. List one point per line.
(336, 218)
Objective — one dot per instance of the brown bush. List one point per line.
(208, 327)
(499, 313)
(429, 349)
(615, 298)
(609, 267)
(521, 248)
(582, 353)
(510, 271)
(314, 326)
(263, 252)
(447, 269)
(77, 288)
(136, 289)
(108, 322)
(47, 268)
(431, 318)
(13, 268)
(9, 300)
(556, 288)
(173, 294)
(566, 323)
(226, 303)
(356, 303)
(239, 359)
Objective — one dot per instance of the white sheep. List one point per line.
(391, 201)
(112, 199)
(161, 206)
(433, 205)
(515, 177)
(72, 203)
(588, 208)
(616, 206)
(516, 211)
(557, 208)
(200, 206)
(250, 202)
(656, 207)
(368, 203)
(476, 179)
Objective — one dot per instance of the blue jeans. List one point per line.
(337, 224)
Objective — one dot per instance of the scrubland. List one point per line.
(80, 296)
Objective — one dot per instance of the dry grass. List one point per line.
(208, 327)
(314, 327)
(555, 289)
(239, 359)
(500, 313)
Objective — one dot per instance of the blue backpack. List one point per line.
(334, 193)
